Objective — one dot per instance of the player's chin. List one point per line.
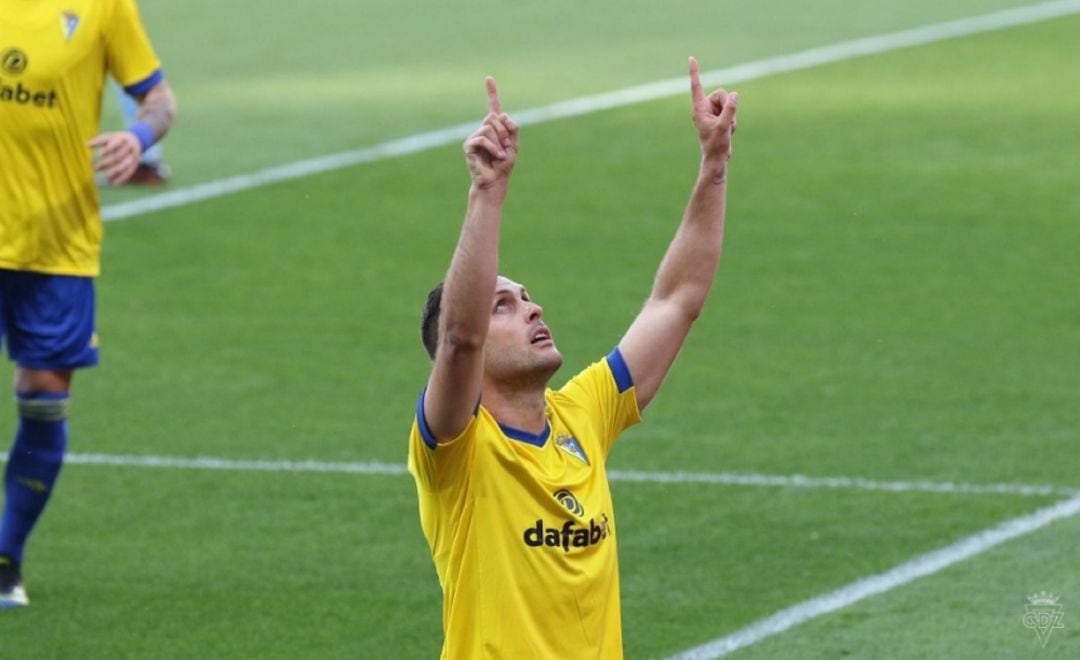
(547, 354)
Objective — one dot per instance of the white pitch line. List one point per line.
(840, 483)
(838, 52)
(241, 465)
(631, 476)
(873, 585)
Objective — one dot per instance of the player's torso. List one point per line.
(542, 482)
(52, 66)
(542, 553)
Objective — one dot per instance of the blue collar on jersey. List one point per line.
(537, 439)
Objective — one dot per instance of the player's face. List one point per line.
(519, 343)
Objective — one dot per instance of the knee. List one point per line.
(31, 381)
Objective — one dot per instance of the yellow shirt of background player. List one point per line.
(53, 58)
(521, 527)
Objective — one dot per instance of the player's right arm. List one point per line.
(131, 60)
(119, 151)
(469, 288)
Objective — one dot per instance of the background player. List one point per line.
(514, 498)
(53, 60)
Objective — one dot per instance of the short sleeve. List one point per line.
(605, 390)
(129, 56)
(436, 466)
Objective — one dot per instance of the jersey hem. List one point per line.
(48, 270)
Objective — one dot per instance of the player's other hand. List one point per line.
(492, 150)
(117, 155)
(714, 117)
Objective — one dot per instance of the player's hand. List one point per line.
(117, 156)
(492, 150)
(714, 117)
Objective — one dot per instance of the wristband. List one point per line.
(144, 133)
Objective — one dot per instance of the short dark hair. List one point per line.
(429, 320)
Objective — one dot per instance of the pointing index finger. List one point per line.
(493, 96)
(696, 94)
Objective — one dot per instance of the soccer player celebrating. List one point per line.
(53, 59)
(514, 497)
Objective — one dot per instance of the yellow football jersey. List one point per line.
(53, 58)
(521, 526)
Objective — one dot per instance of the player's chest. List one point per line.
(41, 43)
(552, 495)
(561, 456)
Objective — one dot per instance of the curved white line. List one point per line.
(873, 585)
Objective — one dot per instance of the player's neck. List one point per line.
(520, 408)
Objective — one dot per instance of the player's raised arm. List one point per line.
(469, 288)
(686, 273)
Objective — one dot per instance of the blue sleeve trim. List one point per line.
(619, 370)
(421, 422)
(146, 84)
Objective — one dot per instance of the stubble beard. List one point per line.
(532, 371)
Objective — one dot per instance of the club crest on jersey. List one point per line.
(69, 20)
(571, 446)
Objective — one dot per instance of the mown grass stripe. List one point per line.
(838, 52)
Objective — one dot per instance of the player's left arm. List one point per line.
(119, 151)
(686, 273)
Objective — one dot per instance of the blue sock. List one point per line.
(32, 467)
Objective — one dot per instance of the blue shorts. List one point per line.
(48, 320)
